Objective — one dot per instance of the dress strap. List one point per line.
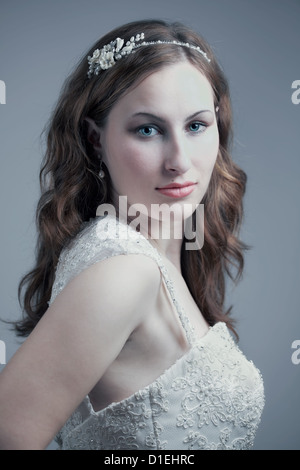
(183, 318)
(146, 248)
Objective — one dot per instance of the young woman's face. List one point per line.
(162, 133)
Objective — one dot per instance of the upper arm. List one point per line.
(76, 340)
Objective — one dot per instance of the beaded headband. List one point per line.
(105, 58)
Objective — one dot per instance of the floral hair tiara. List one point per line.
(105, 58)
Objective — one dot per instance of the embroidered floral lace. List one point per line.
(211, 398)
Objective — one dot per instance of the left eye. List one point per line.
(147, 131)
(197, 127)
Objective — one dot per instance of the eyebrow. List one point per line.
(157, 118)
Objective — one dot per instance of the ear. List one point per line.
(93, 134)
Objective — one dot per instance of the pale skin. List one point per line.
(91, 341)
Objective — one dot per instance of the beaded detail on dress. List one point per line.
(211, 398)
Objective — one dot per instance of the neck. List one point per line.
(165, 236)
(169, 249)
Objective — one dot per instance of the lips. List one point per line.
(177, 190)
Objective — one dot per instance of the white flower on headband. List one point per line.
(119, 44)
(103, 59)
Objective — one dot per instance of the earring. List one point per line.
(101, 172)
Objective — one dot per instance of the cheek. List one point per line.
(129, 162)
(208, 151)
(138, 158)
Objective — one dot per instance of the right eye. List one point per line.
(147, 131)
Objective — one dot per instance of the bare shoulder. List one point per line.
(77, 339)
(119, 283)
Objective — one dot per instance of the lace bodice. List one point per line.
(211, 398)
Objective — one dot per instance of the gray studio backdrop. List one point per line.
(257, 42)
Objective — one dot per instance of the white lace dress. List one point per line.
(211, 398)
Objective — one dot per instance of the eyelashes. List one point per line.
(197, 127)
(150, 130)
(147, 131)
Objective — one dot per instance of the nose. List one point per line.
(177, 160)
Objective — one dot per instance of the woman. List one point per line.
(134, 352)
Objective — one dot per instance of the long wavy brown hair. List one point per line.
(71, 188)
